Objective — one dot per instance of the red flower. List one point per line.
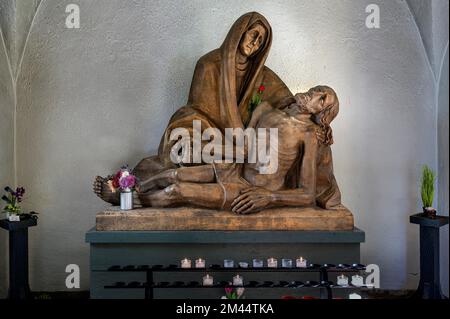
(262, 88)
(116, 178)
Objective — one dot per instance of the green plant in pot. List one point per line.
(427, 191)
(13, 198)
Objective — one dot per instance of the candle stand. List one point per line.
(149, 285)
(126, 260)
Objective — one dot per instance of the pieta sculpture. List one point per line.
(293, 129)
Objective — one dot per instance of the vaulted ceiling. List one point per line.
(16, 19)
(431, 18)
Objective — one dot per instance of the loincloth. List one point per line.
(229, 177)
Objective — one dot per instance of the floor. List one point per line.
(373, 294)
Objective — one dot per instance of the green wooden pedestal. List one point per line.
(122, 248)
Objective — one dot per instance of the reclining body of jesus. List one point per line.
(241, 187)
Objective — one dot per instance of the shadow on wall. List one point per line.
(443, 159)
(6, 153)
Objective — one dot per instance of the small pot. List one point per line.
(12, 217)
(126, 200)
(429, 212)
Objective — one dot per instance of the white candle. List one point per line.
(272, 263)
(342, 280)
(186, 263)
(286, 263)
(357, 281)
(200, 263)
(258, 263)
(301, 263)
(208, 280)
(238, 281)
(228, 263)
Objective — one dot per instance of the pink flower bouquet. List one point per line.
(123, 180)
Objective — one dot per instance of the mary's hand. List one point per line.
(252, 200)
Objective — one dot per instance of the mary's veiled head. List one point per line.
(250, 35)
(253, 39)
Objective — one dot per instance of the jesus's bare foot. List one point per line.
(104, 191)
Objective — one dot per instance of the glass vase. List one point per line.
(126, 199)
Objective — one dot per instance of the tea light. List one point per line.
(286, 263)
(272, 263)
(228, 263)
(354, 296)
(301, 263)
(258, 263)
(238, 281)
(186, 263)
(342, 280)
(200, 263)
(243, 265)
(208, 280)
(357, 281)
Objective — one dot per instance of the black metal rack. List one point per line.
(149, 285)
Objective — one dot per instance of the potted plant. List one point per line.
(427, 191)
(126, 182)
(13, 198)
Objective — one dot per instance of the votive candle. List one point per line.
(238, 280)
(228, 263)
(342, 280)
(258, 263)
(208, 280)
(286, 263)
(200, 263)
(357, 281)
(272, 263)
(186, 263)
(301, 263)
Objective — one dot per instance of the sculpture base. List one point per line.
(191, 219)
